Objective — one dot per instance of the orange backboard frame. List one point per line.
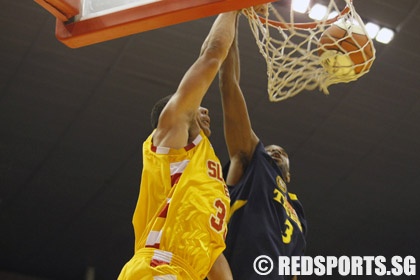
(143, 18)
(62, 10)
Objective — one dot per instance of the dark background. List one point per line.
(73, 121)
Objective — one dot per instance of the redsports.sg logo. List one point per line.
(331, 265)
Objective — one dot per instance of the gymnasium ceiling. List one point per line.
(73, 121)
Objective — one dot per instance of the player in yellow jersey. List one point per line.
(180, 218)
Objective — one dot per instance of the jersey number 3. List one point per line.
(287, 234)
(217, 221)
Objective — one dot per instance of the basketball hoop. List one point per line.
(303, 54)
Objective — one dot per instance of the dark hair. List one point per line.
(157, 110)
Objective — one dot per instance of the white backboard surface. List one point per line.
(95, 8)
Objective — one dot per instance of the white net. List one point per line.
(302, 55)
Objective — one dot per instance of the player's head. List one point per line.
(280, 157)
(157, 109)
(202, 117)
(203, 120)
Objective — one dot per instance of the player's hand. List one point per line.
(261, 9)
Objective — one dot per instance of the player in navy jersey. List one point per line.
(266, 219)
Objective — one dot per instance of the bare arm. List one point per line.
(220, 270)
(240, 138)
(180, 112)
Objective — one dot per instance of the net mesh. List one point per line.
(296, 59)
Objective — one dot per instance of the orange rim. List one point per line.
(309, 25)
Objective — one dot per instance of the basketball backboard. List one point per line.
(85, 22)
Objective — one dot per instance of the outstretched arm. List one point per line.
(240, 138)
(180, 112)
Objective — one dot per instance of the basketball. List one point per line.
(345, 51)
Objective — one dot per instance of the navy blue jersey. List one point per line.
(265, 219)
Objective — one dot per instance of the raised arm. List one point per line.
(240, 138)
(178, 115)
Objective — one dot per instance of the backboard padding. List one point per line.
(142, 18)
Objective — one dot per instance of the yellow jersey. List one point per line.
(180, 217)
